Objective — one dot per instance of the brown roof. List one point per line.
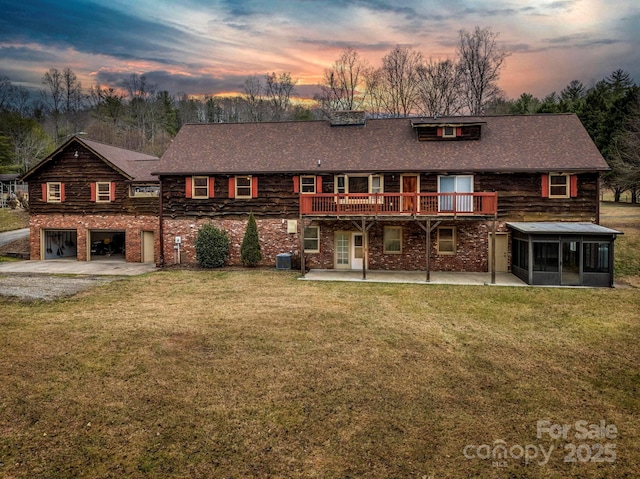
(508, 144)
(133, 165)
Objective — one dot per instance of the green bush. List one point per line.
(250, 253)
(212, 247)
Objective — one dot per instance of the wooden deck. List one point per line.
(399, 204)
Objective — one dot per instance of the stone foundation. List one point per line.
(133, 226)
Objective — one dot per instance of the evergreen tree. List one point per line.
(250, 253)
(212, 247)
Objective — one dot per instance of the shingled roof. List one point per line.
(134, 165)
(514, 143)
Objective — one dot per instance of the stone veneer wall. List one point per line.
(133, 226)
(471, 252)
(272, 233)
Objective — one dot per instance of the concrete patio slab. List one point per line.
(416, 277)
(95, 268)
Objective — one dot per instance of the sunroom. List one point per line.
(563, 253)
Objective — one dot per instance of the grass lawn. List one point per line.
(256, 374)
(13, 219)
(239, 374)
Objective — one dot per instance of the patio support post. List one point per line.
(493, 251)
(428, 252)
(365, 249)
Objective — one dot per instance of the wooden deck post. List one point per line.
(302, 259)
(365, 248)
(428, 252)
(493, 251)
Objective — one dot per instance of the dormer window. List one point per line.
(448, 132)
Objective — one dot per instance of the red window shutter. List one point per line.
(232, 187)
(574, 185)
(545, 186)
(254, 187)
(296, 184)
(62, 195)
(212, 185)
(44, 192)
(113, 191)
(318, 184)
(187, 187)
(459, 131)
(439, 132)
(93, 192)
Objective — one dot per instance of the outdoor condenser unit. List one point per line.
(283, 261)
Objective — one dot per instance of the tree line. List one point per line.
(140, 115)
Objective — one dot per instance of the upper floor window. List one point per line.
(308, 184)
(243, 187)
(558, 186)
(103, 191)
(359, 184)
(448, 132)
(200, 187)
(54, 193)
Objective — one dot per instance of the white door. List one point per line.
(357, 250)
(342, 255)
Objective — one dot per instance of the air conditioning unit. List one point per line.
(283, 261)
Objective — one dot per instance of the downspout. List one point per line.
(161, 223)
(598, 198)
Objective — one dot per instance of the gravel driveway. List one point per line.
(44, 287)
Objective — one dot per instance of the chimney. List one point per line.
(347, 118)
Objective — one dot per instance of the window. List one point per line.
(520, 253)
(376, 184)
(54, 192)
(103, 191)
(144, 191)
(448, 132)
(200, 187)
(596, 257)
(359, 184)
(392, 240)
(545, 257)
(312, 239)
(447, 240)
(308, 184)
(243, 187)
(558, 186)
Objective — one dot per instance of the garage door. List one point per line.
(107, 245)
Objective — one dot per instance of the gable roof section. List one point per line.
(132, 165)
(535, 143)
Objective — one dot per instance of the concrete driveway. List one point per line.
(94, 268)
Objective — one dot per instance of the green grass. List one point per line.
(13, 219)
(256, 374)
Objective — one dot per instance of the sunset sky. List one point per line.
(211, 46)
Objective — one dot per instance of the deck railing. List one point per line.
(425, 204)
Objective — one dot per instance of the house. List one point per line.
(92, 201)
(474, 194)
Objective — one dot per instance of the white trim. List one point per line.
(193, 188)
(567, 185)
(314, 179)
(304, 237)
(250, 178)
(50, 197)
(454, 239)
(384, 242)
(103, 194)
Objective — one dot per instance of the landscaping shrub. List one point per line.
(212, 247)
(250, 253)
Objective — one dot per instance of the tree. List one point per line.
(439, 88)
(212, 247)
(343, 86)
(254, 102)
(278, 91)
(250, 253)
(480, 61)
(53, 96)
(396, 82)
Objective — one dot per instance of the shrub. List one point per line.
(250, 253)
(212, 247)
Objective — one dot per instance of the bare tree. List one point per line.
(439, 91)
(53, 97)
(73, 98)
(480, 61)
(343, 86)
(254, 102)
(397, 81)
(278, 91)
